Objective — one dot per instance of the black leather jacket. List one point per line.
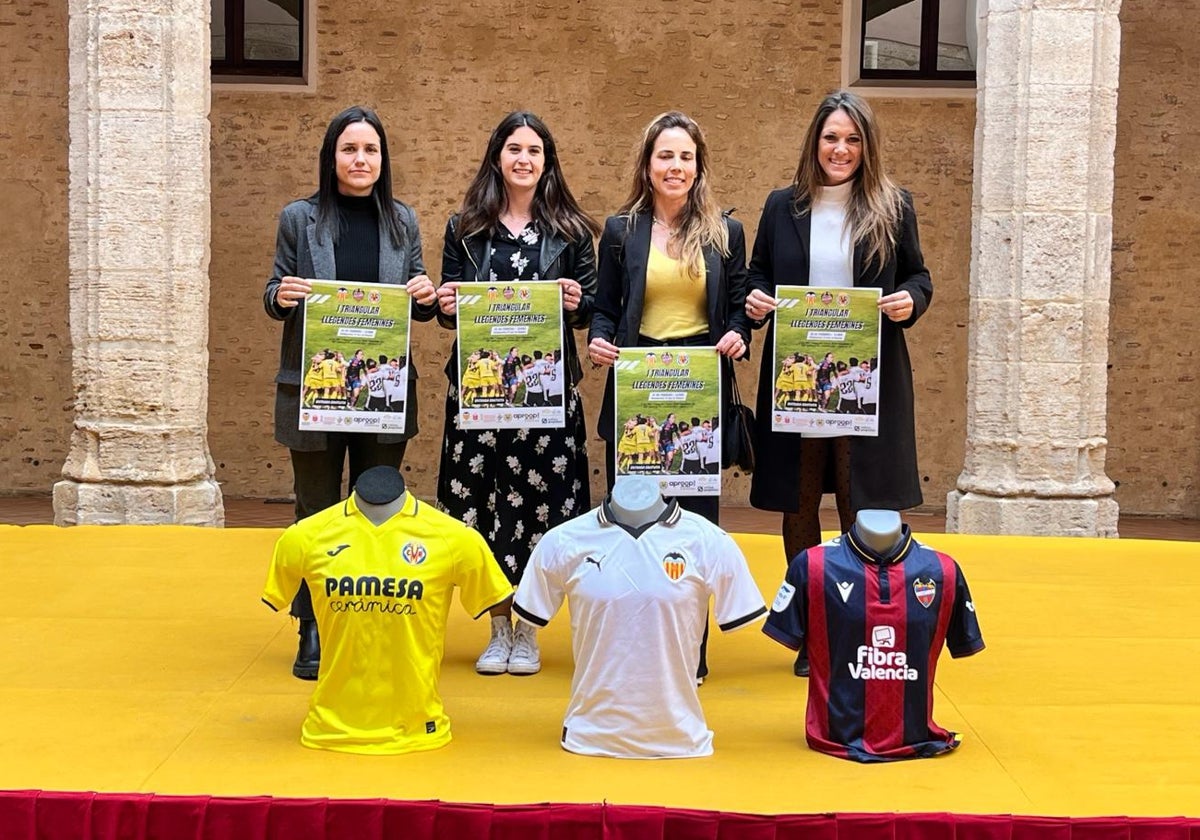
(468, 260)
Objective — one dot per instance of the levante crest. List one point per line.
(925, 590)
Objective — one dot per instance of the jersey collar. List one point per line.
(409, 508)
(671, 515)
(868, 555)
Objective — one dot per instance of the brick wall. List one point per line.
(36, 402)
(1153, 388)
(596, 72)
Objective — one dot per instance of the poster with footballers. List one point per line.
(826, 364)
(668, 416)
(354, 374)
(510, 358)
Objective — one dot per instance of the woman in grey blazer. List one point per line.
(353, 230)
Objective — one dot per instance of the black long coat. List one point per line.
(883, 469)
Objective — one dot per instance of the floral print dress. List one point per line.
(513, 485)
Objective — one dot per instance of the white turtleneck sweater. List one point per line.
(831, 259)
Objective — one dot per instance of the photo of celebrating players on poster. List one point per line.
(668, 414)
(355, 344)
(826, 361)
(510, 362)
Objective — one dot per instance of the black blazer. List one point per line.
(883, 469)
(624, 253)
(469, 261)
(300, 252)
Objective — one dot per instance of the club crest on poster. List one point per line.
(826, 365)
(354, 368)
(668, 416)
(510, 356)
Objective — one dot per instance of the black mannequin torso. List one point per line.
(380, 493)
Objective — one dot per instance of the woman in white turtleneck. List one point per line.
(842, 222)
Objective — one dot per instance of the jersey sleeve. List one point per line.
(481, 583)
(787, 622)
(543, 583)
(963, 637)
(286, 570)
(736, 599)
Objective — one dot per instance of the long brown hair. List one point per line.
(873, 212)
(702, 222)
(554, 207)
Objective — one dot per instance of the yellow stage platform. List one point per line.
(140, 659)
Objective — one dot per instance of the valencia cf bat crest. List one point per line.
(925, 590)
(674, 565)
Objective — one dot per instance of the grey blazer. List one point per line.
(300, 252)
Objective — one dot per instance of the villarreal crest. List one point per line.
(674, 564)
(925, 590)
(414, 553)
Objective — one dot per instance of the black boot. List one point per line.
(801, 668)
(308, 657)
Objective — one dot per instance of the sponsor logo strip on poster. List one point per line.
(354, 367)
(826, 365)
(668, 415)
(510, 356)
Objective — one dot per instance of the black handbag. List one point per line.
(737, 439)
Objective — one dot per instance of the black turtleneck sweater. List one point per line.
(356, 253)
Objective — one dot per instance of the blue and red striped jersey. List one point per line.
(875, 626)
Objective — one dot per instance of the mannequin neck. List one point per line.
(635, 501)
(378, 514)
(879, 530)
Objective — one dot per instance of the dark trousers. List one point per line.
(317, 482)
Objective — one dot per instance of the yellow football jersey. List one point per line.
(382, 595)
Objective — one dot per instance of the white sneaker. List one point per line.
(525, 658)
(494, 660)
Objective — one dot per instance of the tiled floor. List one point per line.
(257, 513)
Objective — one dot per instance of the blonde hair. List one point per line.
(701, 222)
(875, 206)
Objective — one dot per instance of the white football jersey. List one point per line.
(638, 600)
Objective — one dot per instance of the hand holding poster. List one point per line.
(510, 360)
(826, 361)
(668, 416)
(355, 362)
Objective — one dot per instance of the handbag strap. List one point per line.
(735, 396)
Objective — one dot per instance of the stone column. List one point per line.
(139, 250)
(1040, 271)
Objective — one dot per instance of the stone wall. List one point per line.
(597, 72)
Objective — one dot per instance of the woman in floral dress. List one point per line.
(519, 223)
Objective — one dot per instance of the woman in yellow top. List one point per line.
(627, 445)
(471, 379)
(672, 267)
(671, 270)
(492, 384)
(785, 382)
(312, 380)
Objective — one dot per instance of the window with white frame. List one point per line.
(920, 41)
